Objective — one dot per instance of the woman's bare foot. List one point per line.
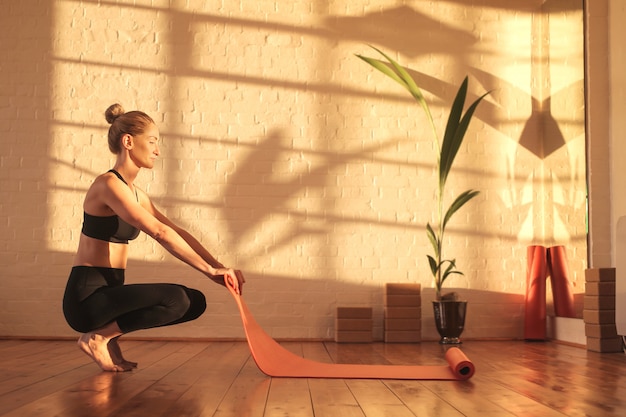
(96, 347)
(116, 354)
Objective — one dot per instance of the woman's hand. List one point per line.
(229, 277)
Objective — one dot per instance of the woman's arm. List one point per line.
(192, 242)
(188, 237)
(119, 198)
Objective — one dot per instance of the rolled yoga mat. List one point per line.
(276, 361)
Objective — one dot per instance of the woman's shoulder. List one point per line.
(108, 183)
(105, 184)
(107, 180)
(103, 178)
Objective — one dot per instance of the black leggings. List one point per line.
(97, 296)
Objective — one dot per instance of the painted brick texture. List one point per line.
(289, 157)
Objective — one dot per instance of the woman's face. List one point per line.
(145, 147)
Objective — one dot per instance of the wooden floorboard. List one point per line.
(220, 379)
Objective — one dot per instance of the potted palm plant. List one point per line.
(449, 311)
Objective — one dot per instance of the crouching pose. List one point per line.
(97, 302)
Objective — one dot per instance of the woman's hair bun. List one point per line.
(113, 112)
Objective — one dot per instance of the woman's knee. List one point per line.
(177, 300)
(188, 303)
(197, 304)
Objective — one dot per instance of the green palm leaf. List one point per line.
(455, 131)
(397, 73)
(458, 203)
(433, 238)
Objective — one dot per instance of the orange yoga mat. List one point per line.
(276, 361)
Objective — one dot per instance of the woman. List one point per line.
(96, 301)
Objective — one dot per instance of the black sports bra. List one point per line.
(109, 228)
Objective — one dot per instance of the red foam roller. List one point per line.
(535, 312)
(562, 289)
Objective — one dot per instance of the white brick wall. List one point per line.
(288, 156)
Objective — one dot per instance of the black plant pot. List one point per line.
(450, 320)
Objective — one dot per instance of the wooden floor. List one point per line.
(53, 378)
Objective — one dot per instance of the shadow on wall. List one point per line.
(540, 133)
(389, 27)
(275, 174)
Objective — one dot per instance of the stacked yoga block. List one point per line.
(353, 325)
(403, 313)
(599, 311)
